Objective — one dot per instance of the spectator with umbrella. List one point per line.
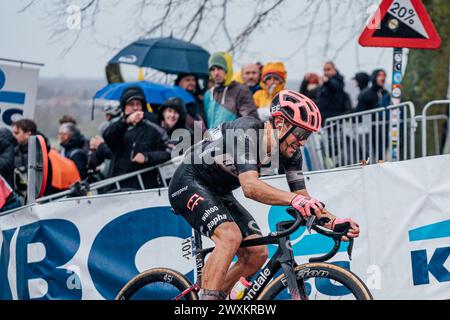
(135, 143)
(169, 55)
(189, 82)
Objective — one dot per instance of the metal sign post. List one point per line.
(399, 24)
(397, 79)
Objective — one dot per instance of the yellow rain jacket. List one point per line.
(263, 97)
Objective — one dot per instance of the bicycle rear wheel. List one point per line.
(157, 284)
(330, 281)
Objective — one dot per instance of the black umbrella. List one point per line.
(168, 55)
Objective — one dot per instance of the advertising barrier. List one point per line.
(88, 248)
(18, 88)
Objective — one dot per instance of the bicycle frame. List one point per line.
(282, 259)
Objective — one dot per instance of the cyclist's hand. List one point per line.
(304, 205)
(340, 225)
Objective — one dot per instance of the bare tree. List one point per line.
(191, 20)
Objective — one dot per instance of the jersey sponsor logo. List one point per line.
(209, 211)
(178, 192)
(216, 220)
(193, 201)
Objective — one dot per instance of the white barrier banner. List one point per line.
(403, 210)
(18, 88)
(88, 248)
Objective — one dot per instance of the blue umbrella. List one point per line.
(154, 93)
(168, 55)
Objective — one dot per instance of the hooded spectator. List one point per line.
(227, 100)
(273, 81)
(332, 99)
(189, 82)
(375, 96)
(171, 116)
(362, 80)
(310, 86)
(72, 144)
(134, 141)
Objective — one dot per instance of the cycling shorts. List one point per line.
(203, 207)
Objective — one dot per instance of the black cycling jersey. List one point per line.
(237, 147)
(200, 189)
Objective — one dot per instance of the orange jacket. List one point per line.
(64, 171)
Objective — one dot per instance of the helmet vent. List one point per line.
(303, 114)
(291, 99)
(310, 106)
(289, 112)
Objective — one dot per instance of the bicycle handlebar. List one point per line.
(298, 221)
(316, 225)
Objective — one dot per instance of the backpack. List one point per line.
(64, 171)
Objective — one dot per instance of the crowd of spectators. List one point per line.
(133, 138)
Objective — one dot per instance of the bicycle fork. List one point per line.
(287, 261)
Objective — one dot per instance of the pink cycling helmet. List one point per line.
(296, 108)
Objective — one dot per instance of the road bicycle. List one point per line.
(292, 283)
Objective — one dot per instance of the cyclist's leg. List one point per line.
(204, 211)
(227, 238)
(250, 259)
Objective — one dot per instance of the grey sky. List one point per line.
(26, 36)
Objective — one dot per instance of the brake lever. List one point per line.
(309, 223)
(350, 248)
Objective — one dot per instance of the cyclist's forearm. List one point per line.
(264, 193)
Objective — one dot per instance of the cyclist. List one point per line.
(201, 188)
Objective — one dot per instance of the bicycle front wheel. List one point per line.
(323, 281)
(157, 284)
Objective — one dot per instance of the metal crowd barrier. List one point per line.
(425, 119)
(165, 171)
(351, 138)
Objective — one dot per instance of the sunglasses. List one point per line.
(300, 133)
